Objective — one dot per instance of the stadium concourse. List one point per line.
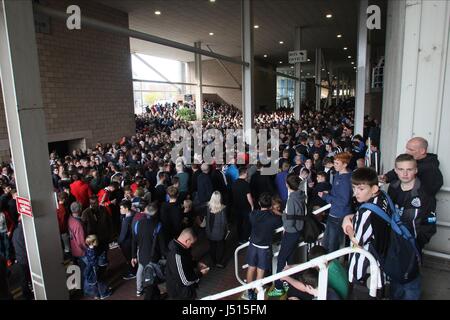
(128, 170)
(119, 178)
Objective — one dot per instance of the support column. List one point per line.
(361, 74)
(248, 103)
(338, 87)
(183, 78)
(21, 84)
(318, 77)
(416, 94)
(198, 80)
(330, 84)
(298, 75)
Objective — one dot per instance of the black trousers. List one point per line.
(217, 251)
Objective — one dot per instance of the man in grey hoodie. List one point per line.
(293, 225)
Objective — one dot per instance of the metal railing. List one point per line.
(321, 263)
(275, 254)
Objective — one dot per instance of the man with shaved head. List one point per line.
(427, 166)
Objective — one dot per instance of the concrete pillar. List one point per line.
(362, 66)
(21, 84)
(338, 87)
(248, 103)
(298, 67)
(318, 79)
(183, 77)
(198, 80)
(416, 94)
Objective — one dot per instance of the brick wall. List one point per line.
(86, 79)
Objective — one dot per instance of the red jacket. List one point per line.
(134, 187)
(81, 191)
(62, 216)
(103, 200)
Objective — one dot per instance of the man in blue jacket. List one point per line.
(340, 199)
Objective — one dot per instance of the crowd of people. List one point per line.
(155, 208)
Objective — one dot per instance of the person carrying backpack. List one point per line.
(366, 230)
(295, 207)
(144, 248)
(387, 237)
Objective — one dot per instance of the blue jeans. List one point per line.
(333, 234)
(289, 243)
(406, 291)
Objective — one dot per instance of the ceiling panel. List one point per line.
(188, 21)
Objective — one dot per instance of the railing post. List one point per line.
(323, 280)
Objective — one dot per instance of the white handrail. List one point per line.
(320, 262)
(280, 229)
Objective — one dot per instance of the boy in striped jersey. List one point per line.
(366, 229)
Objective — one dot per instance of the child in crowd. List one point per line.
(366, 230)
(93, 286)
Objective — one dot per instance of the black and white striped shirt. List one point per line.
(372, 234)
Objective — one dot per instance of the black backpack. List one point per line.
(312, 228)
(402, 261)
(153, 272)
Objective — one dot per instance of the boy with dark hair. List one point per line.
(125, 237)
(366, 229)
(293, 225)
(242, 204)
(263, 224)
(418, 215)
(321, 186)
(171, 216)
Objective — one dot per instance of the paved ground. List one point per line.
(436, 276)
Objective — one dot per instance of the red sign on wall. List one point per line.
(24, 206)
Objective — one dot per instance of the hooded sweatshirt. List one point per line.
(295, 207)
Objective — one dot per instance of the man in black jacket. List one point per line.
(182, 275)
(98, 221)
(427, 167)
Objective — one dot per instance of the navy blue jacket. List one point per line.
(340, 195)
(125, 231)
(263, 225)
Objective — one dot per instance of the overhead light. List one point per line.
(354, 68)
(329, 16)
(301, 71)
(212, 0)
(211, 33)
(323, 69)
(339, 35)
(256, 26)
(265, 56)
(345, 48)
(292, 67)
(281, 42)
(349, 57)
(309, 60)
(157, 13)
(353, 62)
(308, 74)
(280, 62)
